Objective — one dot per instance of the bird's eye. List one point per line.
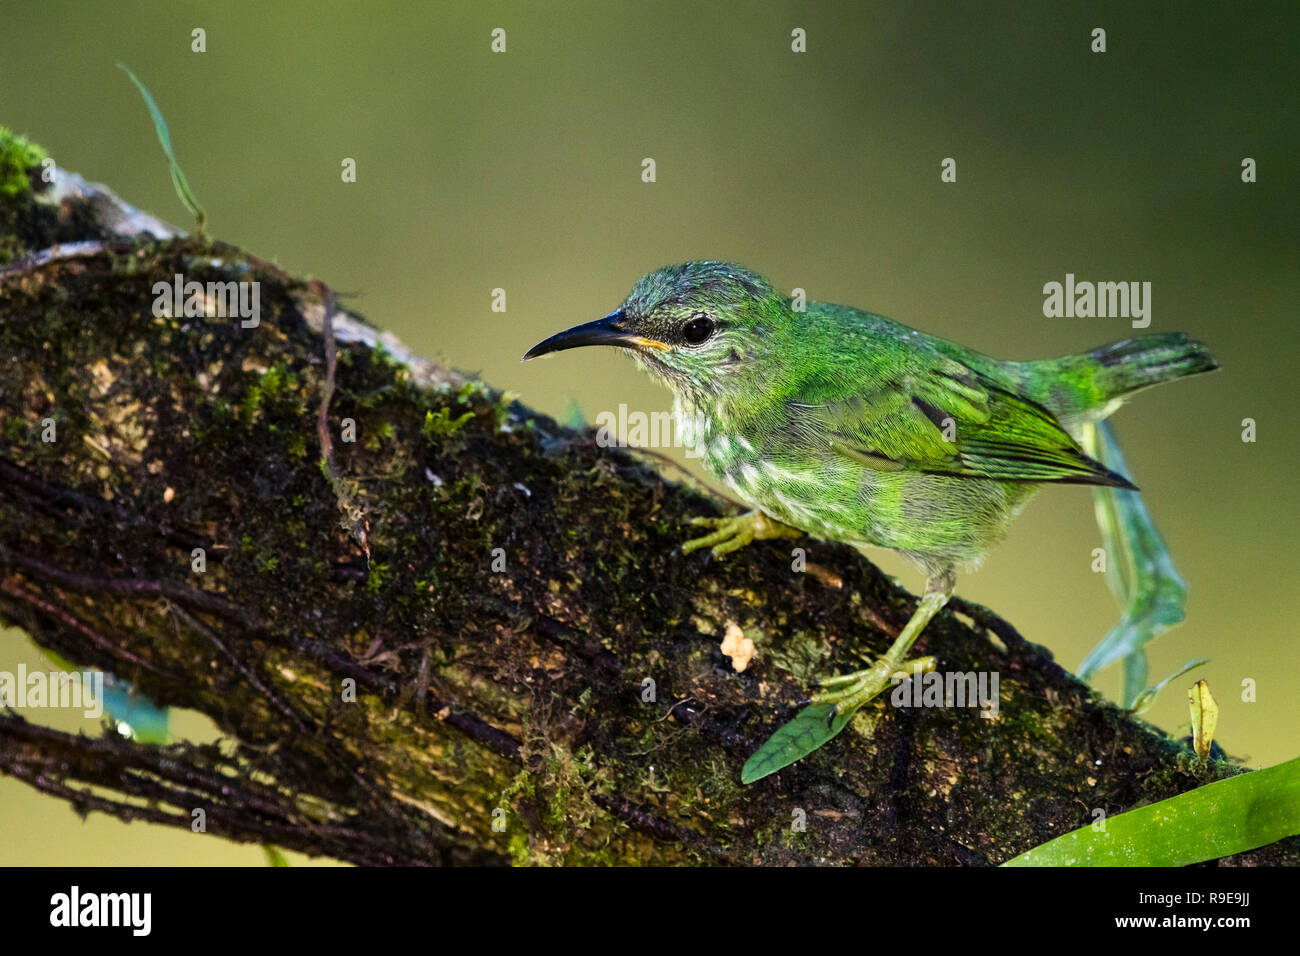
(698, 329)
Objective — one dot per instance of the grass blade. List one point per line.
(179, 182)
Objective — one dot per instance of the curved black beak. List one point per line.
(607, 331)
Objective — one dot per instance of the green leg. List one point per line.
(736, 532)
(830, 711)
(848, 692)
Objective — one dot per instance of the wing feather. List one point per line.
(995, 432)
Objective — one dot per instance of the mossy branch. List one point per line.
(462, 670)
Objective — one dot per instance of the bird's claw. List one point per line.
(736, 531)
(850, 691)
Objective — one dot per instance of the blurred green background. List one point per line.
(522, 171)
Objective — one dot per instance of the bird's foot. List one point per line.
(735, 532)
(848, 692)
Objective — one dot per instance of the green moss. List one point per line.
(442, 425)
(801, 655)
(274, 393)
(278, 380)
(250, 404)
(18, 155)
(377, 437)
(379, 574)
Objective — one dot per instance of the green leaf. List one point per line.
(179, 182)
(1221, 818)
(129, 710)
(810, 728)
(1139, 570)
(1136, 669)
(1205, 718)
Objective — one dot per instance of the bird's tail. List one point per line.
(1133, 364)
(1114, 371)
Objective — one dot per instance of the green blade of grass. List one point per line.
(1219, 819)
(179, 182)
(1148, 696)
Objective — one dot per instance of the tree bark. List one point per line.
(501, 595)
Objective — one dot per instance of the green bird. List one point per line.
(851, 427)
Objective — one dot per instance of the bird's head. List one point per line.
(695, 326)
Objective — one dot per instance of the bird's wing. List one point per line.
(946, 418)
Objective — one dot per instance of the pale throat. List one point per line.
(695, 427)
